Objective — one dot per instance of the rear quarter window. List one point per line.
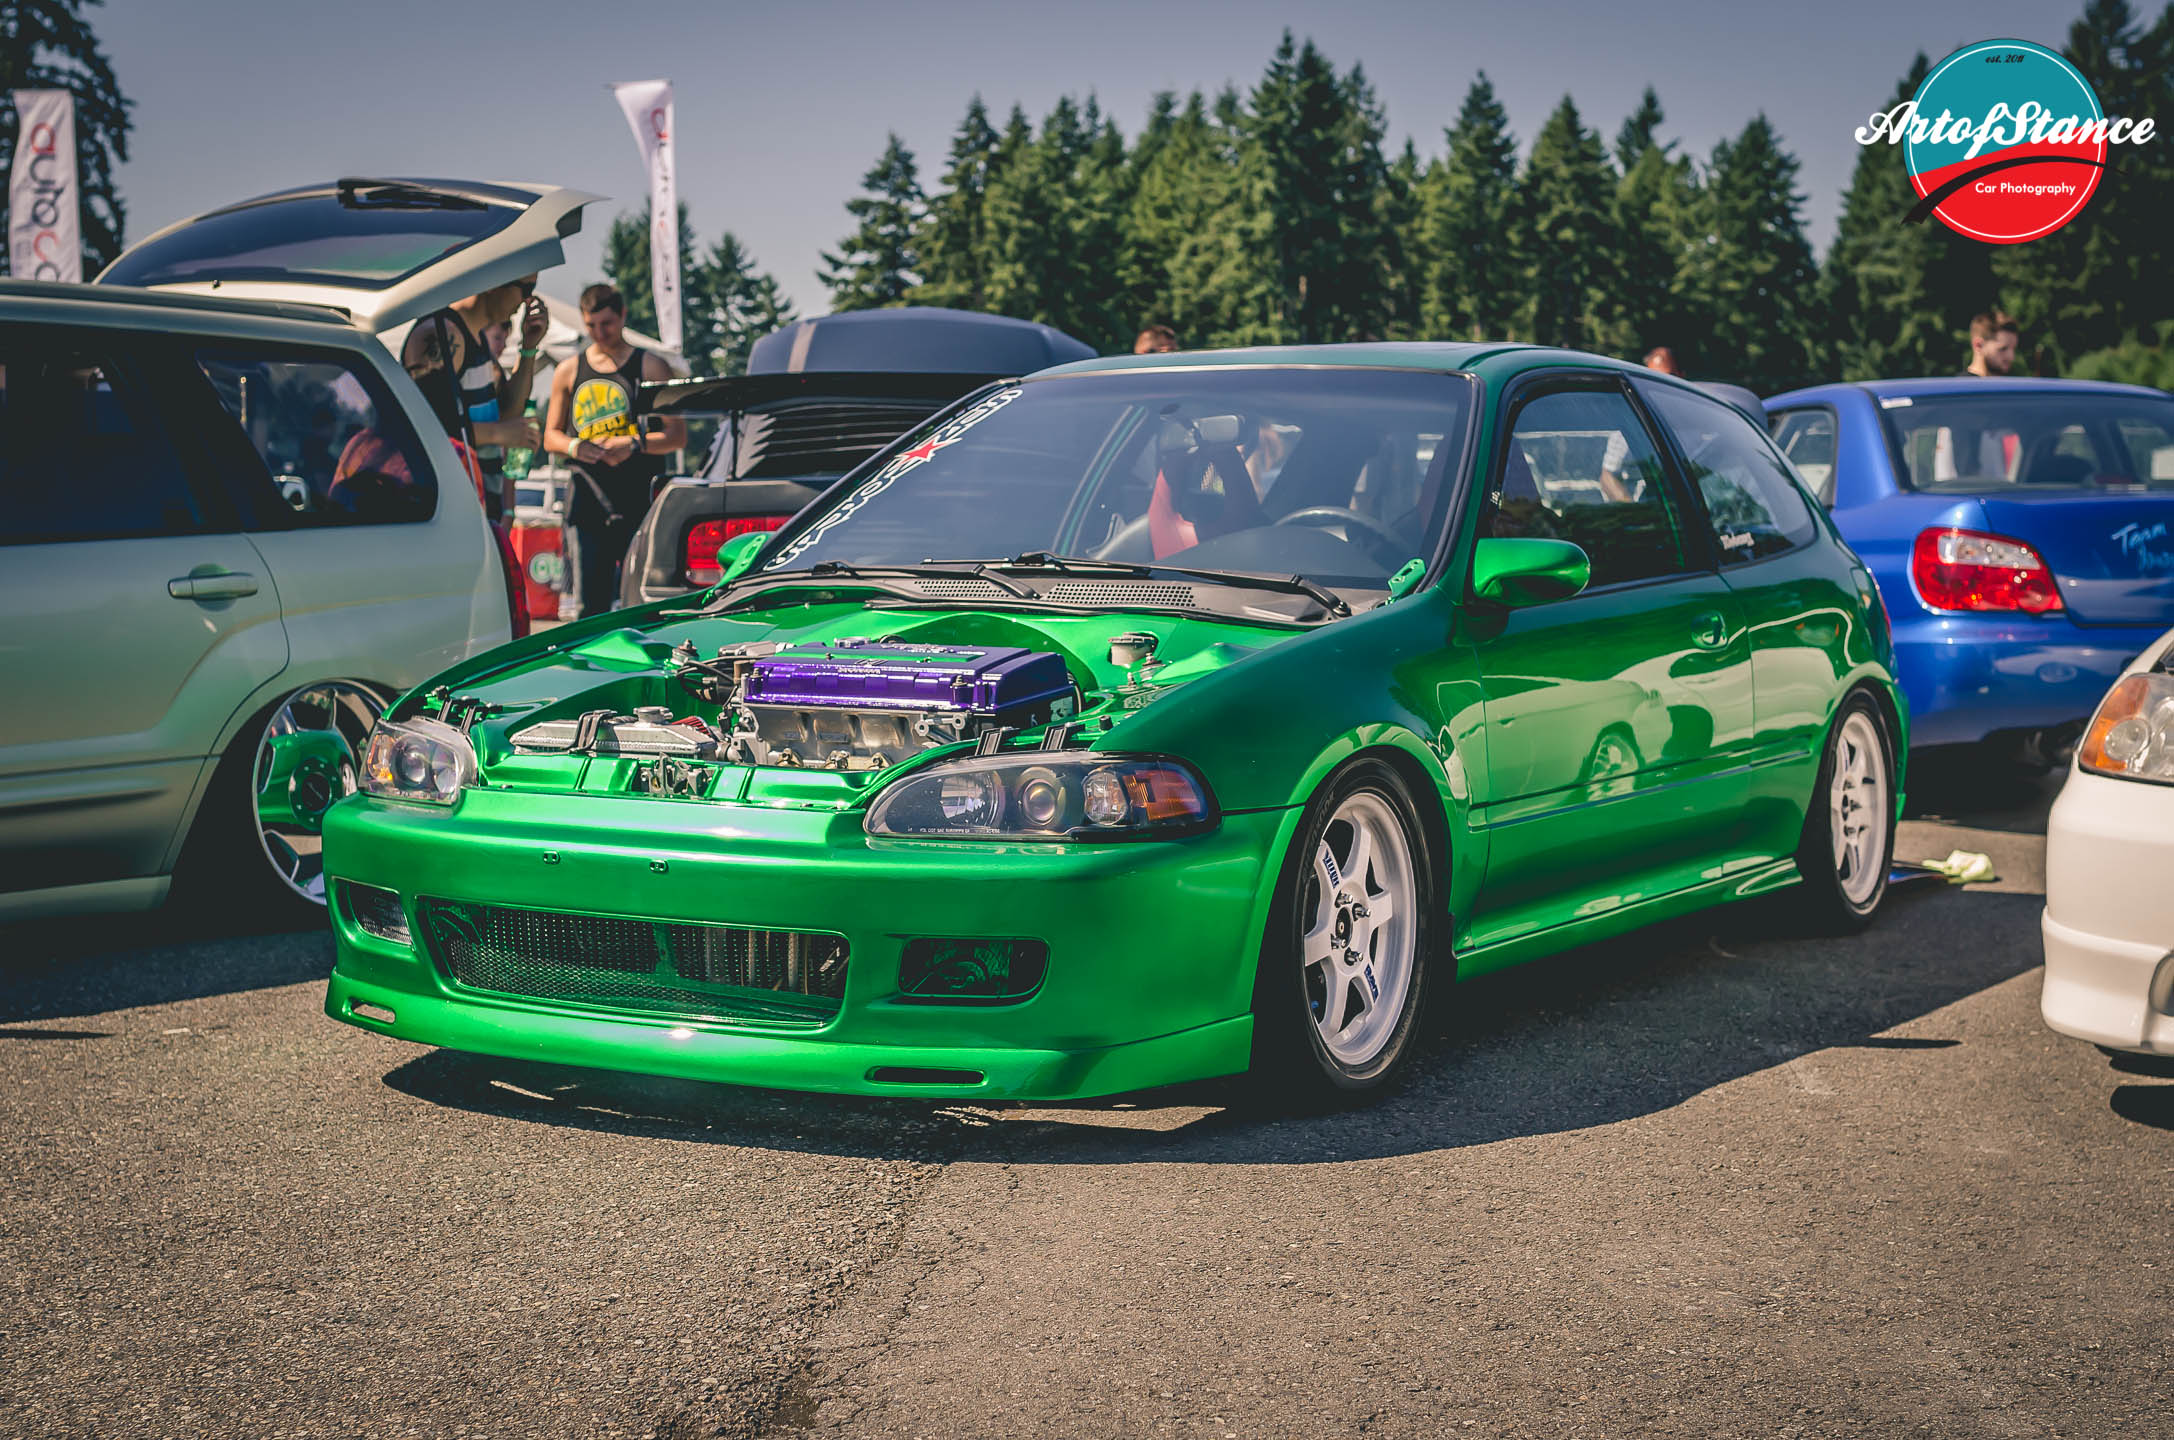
(334, 444)
(1806, 438)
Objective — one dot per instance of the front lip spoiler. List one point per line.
(694, 1050)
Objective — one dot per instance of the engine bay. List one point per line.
(851, 704)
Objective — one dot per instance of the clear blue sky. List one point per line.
(783, 106)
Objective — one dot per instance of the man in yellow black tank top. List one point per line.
(595, 421)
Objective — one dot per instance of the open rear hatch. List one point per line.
(2112, 553)
(384, 250)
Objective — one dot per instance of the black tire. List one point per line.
(1828, 902)
(1292, 1064)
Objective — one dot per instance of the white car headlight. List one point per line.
(2132, 736)
(1047, 795)
(421, 760)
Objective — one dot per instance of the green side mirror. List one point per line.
(1528, 572)
(736, 554)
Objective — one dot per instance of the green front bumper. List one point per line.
(1152, 947)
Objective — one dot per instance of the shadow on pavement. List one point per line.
(89, 965)
(625, 1104)
(1602, 1034)
(1980, 793)
(2151, 1105)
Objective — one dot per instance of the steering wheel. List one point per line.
(1323, 516)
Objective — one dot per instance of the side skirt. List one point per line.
(1776, 875)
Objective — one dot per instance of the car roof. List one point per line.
(1961, 385)
(52, 300)
(1386, 355)
(914, 338)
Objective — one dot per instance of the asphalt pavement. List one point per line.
(1710, 1180)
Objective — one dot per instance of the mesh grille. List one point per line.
(1119, 592)
(947, 589)
(667, 968)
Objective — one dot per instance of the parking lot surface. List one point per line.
(1713, 1179)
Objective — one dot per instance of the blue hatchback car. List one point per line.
(2022, 533)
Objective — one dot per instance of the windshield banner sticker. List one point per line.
(947, 433)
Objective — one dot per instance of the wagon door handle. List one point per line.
(1710, 631)
(230, 586)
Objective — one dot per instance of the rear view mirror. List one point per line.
(1528, 572)
(1181, 434)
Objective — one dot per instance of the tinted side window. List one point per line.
(1580, 467)
(1752, 501)
(338, 450)
(82, 453)
(1806, 438)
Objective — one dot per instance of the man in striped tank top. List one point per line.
(483, 406)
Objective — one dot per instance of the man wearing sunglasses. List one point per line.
(477, 402)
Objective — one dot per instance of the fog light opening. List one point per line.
(915, 1075)
(376, 1014)
(971, 970)
(376, 912)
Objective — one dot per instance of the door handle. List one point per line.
(230, 586)
(1710, 631)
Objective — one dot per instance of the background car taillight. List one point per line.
(709, 536)
(1971, 570)
(2132, 736)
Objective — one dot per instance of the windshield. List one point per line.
(2033, 440)
(317, 238)
(1336, 475)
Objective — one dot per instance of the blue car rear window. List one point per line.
(2001, 438)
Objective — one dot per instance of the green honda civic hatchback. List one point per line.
(1139, 721)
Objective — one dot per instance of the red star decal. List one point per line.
(926, 450)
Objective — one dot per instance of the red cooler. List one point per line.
(538, 545)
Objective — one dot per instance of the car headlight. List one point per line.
(2132, 736)
(1035, 795)
(423, 760)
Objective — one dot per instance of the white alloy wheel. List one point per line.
(1359, 948)
(1857, 808)
(308, 756)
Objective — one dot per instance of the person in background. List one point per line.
(1993, 338)
(478, 403)
(1663, 359)
(596, 422)
(1155, 340)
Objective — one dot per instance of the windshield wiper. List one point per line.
(973, 569)
(1327, 599)
(747, 587)
(359, 194)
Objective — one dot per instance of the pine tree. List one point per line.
(877, 264)
(954, 238)
(1653, 205)
(1640, 132)
(1182, 264)
(1404, 257)
(1752, 268)
(1898, 298)
(737, 305)
(1562, 231)
(1029, 215)
(48, 45)
(1102, 190)
(1315, 171)
(2104, 279)
(1473, 286)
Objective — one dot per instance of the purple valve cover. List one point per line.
(879, 675)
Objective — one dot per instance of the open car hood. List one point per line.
(385, 250)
